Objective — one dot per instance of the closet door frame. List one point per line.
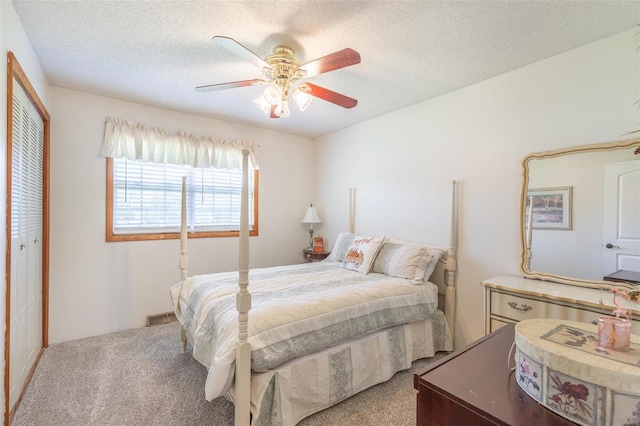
(14, 70)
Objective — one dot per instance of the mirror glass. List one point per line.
(585, 208)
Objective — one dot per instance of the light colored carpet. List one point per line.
(139, 377)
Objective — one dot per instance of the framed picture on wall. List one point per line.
(551, 207)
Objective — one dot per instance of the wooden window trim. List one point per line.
(111, 237)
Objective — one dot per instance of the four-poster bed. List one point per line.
(319, 332)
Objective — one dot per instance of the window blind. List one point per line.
(147, 198)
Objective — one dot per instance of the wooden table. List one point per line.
(474, 386)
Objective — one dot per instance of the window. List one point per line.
(144, 201)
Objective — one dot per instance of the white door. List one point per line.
(621, 244)
(26, 240)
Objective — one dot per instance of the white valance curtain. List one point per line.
(135, 141)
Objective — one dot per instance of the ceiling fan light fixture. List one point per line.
(263, 105)
(273, 94)
(282, 109)
(302, 99)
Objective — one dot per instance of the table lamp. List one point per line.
(311, 217)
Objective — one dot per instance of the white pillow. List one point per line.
(362, 253)
(408, 261)
(436, 254)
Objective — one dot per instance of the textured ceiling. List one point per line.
(156, 52)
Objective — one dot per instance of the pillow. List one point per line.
(436, 254)
(344, 240)
(408, 261)
(362, 253)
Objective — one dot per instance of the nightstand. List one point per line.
(312, 256)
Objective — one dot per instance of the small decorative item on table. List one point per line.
(318, 244)
(614, 332)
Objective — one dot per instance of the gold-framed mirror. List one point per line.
(584, 204)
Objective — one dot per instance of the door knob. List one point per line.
(610, 246)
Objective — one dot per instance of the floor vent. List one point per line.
(159, 319)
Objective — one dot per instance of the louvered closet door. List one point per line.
(26, 240)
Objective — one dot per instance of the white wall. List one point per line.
(12, 38)
(401, 164)
(98, 287)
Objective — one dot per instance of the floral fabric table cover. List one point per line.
(560, 365)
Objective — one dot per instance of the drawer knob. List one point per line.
(523, 308)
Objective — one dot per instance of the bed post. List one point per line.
(352, 209)
(184, 260)
(450, 306)
(243, 305)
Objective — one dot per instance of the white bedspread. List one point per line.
(296, 310)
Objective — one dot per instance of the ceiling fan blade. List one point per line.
(230, 85)
(331, 96)
(343, 58)
(236, 48)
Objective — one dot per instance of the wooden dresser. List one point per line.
(474, 387)
(511, 299)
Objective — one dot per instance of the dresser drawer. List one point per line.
(509, 299)
(518, 308)
(497, 323)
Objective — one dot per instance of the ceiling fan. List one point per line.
(284, 73)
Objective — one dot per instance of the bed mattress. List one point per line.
(296, 310)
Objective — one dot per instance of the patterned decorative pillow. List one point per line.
(407, 261)
(362, 253)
